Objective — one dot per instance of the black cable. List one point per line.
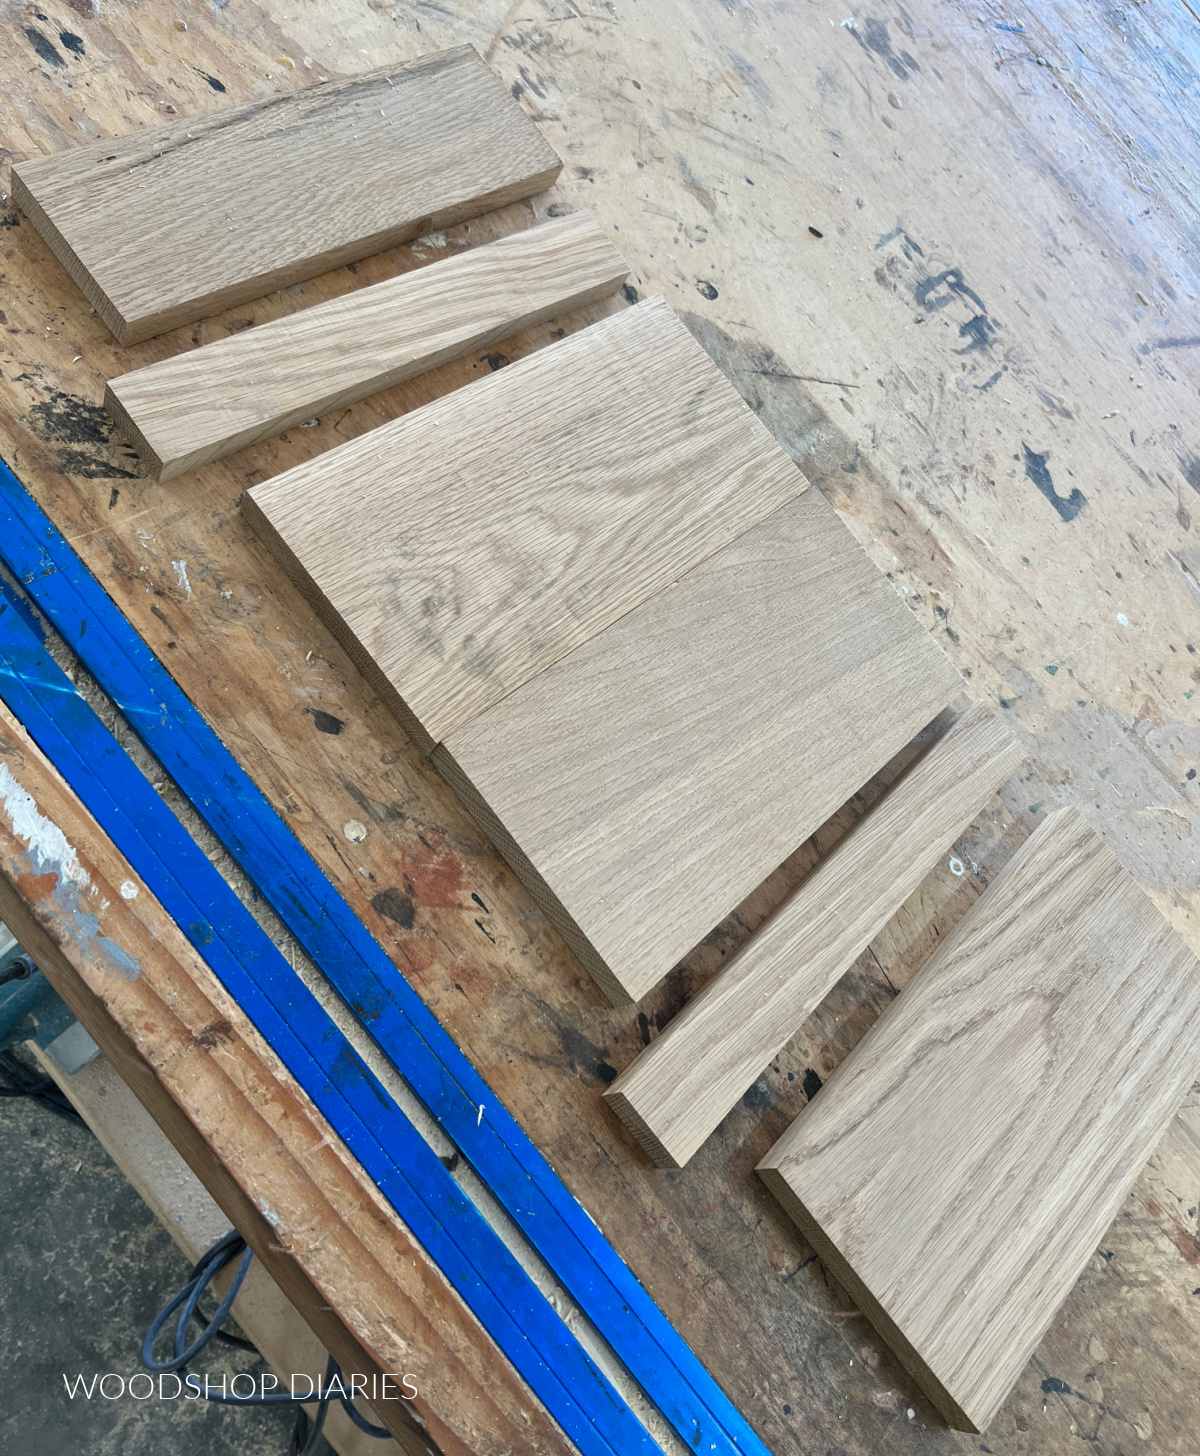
(16, 1080)
(307, 1431)
(20, 968)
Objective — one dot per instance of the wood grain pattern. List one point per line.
(961, 1165)
(204, 404)
(713, 1245)
(684, 1083)
(645, 784)
(174, 222)
(463, 548)
(247, 1130)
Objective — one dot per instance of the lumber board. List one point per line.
(960, 1167)
(646, 783)
(463, 548)
(201, 405)
(283, 1178)
(370, 1119)
(683, 1084)
(170, 223)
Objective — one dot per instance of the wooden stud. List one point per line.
(199, 406)
(171, 223)
(684, 1083)
(959, 1168)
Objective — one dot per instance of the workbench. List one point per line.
(948, 254)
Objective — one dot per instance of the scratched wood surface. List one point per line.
(1044, 543)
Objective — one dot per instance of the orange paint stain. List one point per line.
(436, 879)
(37, 887)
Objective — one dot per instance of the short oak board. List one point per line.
(960, 1167)
(171, 223)
(201, 405)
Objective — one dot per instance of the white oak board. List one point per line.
(174, 222)
(203, 404)
(643, 785)
(461, 549)
(960, 1167)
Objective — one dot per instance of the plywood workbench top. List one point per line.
(945, 253)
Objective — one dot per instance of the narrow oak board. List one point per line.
(464, 547)
(201, 405)
(960, 1167)
(686, 1080)
(170, 223)
(645, 784)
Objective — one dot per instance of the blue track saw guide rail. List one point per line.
(491, 1281)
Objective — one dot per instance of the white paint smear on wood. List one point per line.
(47, 843)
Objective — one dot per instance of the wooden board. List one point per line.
(201, 405)
(174, 222)
(960, 1167)
(462, 549)
(645, 784)
(683, 1084)
(254, 1139)
(920, 467)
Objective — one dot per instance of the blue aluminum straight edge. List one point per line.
(361, 1111)
(498, 1149)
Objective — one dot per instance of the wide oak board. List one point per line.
(646, 783)
(463, 548)
(961, 1165)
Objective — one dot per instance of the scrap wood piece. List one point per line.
(459, 550)
(171, 223)
(253, 1137)
(201, 405)
(959, 1168)
(643, 785)
(687, 1079)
